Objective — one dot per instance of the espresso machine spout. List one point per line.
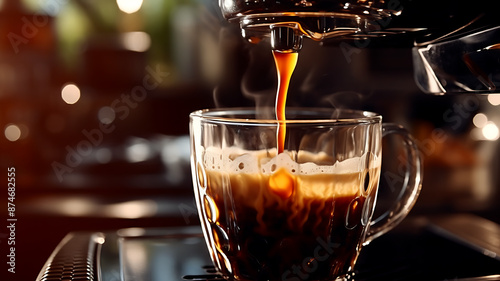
(285, 38)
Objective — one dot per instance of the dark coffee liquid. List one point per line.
(319, 249)
(259, 234)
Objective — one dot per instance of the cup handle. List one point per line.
(412, 183)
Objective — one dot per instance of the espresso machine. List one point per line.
(454, 44)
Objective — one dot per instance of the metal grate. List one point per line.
(73, 259)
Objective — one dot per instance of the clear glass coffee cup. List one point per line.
(304, 213)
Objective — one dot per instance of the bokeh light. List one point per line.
(137, 41)
(129, 6)
(106, 115)
(480, 120)
(104, 155)
(70, 93)
(12, 132)
(138, 150)
(490, 131)
(494, 99)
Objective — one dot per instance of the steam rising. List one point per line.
(249, 77)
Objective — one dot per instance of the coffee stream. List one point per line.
(285, 64)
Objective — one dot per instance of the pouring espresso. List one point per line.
(287, 22)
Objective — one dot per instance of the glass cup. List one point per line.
(304, 213)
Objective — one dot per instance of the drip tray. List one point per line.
(421, 249)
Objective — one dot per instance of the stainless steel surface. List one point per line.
(159, 254)
(460, 64)
(472, 231)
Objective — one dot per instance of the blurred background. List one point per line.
(95, 97)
